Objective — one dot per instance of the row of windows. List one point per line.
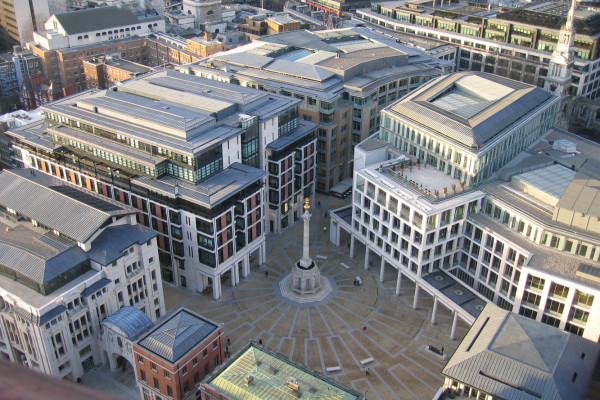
(519, 35)
(547, 238)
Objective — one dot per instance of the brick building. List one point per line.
(102, 73)
(37, 91)
(172, 358)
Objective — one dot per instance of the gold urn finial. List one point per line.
(306, 204)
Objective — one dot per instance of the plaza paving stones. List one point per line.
(330, 333)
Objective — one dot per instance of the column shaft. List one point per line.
(398, 282)
(434, 311)
(416, 300)
(454, 323)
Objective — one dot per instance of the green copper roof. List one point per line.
(270, 373)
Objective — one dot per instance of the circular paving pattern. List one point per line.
(329, 333)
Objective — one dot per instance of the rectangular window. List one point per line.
(156, 384)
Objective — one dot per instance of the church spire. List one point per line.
(558, 81)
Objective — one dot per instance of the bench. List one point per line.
(333, 369)
(345, 266)
(366, 361)
(322, 257)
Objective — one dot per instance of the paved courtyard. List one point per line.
(330, 333)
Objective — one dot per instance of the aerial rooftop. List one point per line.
(93, 19)
(470, 108)
(272, 377)
(549, 14)
(183, 113)
(320, 62)
(513, 357)
(47, 200)
(174, 337)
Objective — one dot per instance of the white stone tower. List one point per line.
(306, 278)
(204, 11)
(558, 81)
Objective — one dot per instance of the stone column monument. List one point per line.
(306, 277)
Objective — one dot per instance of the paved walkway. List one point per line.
(119, 384)
(330, 333)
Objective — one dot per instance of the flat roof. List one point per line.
(552, 180)
(209, 192)
(270, 374)
(128, 66)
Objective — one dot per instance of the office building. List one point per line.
(337, 7)
(469, 192)
(193, 156)
(256, 372)
(11, 120)
(175, 356)
(507, 356)
(20, 19)
(517, 43)
(59, 278)
(343, 78)
(9, 86)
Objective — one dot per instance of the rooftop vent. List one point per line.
(564, 145)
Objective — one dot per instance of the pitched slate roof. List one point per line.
(513, 357)
(95, 19)
(57, 205)
(37, 267)
(173, 338)
(109, 245)
(37, 319)
(129, 321)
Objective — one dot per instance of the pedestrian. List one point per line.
(365, 329)
(355, 282)
(442, 350)
(319, 204)
(368, 371)
(228, 342)
(260, 341)
(325, 229)
(266, 274)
